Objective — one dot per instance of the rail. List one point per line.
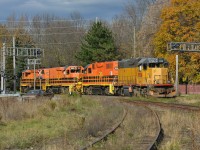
(107, 133)
(159, 134)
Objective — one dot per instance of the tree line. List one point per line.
(75, 40)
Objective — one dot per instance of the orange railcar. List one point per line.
(60, 78)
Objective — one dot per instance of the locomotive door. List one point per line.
(47, 77)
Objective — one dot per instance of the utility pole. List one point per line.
(34, 74)
(14, 66)
(134, 45)
(96, 20)
(177, 80)
(3, 84)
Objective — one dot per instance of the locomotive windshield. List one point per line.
(75, 70)
(153, 63)
(158, 65)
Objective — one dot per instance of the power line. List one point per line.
(47, 28)
(45, 21)
(43, 34)
(59, 43)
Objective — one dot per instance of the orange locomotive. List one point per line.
(59, 79)
(98, 77)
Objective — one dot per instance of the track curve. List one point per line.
(107, 133)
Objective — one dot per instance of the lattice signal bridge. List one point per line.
(183, 47)
(35, 52)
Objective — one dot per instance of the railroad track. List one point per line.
(147, 142)
(160, 104)
(112, 130)
(166, 105)
(152, 142)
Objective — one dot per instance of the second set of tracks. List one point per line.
(147, 142)
(150, 143)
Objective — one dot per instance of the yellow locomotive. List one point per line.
(145, 76)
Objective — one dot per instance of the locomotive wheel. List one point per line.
(89, 90)
(136, 93)
(65, 90)
(107, 91)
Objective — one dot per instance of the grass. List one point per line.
(72, 121)
(193, 100)
(50, 120)
(181, 130)
(137, 125)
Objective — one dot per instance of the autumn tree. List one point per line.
(98, 45)
(181, 23)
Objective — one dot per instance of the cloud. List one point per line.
(88, 8)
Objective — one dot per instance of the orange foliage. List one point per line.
(181, 23)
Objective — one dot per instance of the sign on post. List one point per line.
(183, 47)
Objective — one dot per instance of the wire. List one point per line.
(59, 43)
(43, 34)
(46, 21)
(47, 28)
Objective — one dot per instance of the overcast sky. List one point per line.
(89, 9)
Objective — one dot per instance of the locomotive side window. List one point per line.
(166, 65)
(109, 66)
(158, 65)
(145, 66)
(72, 71)
(89, 70)
(67, 71)
(151, 65)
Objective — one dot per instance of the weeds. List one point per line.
(37, 123)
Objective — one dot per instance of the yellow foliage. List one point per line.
(181, 23)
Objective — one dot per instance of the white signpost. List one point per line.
(182, 47)
(34, 62)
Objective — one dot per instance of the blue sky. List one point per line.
(89, 9)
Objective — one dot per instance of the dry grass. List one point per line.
(12, 109)
(192, 99)
(181, 129)
(63, 123)
(138, 125)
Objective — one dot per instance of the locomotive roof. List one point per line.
(134, 62)
(151, 60)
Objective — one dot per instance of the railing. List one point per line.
(100, 79)
(50, 81)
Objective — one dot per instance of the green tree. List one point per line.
(98, 45)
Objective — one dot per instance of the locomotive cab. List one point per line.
(74, 72)
(152, 71)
